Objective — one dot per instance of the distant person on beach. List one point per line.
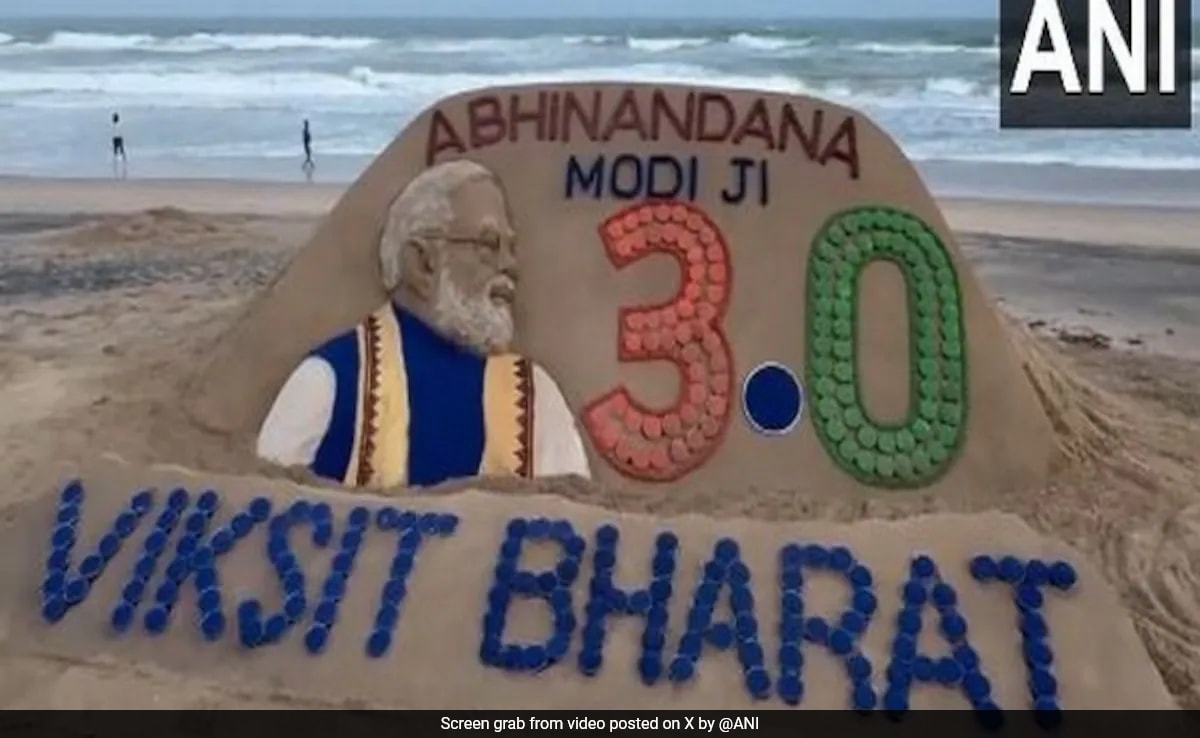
(308, 166)
(308, 160)
(118, 140)
(118, 145)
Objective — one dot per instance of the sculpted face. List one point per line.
(476, 274)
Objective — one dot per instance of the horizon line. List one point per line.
(475, 17)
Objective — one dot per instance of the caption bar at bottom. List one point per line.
(698, 723)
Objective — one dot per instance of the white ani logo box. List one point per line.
(1095, 63)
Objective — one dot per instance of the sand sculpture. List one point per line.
(487, 601)
(733, 290)
(423, 390)
(730, 288)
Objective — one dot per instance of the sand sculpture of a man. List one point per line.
(426, 389)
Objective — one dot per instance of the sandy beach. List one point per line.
(109, 292)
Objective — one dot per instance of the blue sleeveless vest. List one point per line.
(412, 408)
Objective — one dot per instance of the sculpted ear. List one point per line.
(420, 266)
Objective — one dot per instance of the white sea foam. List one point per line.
(589, 40)
(756, 42)
(195, 43)
(918, 48)
(177, 87)
(195, 95)
(521, 45)
(1060, 157)
(472, 45)
(659, 45)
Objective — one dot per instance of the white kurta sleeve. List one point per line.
(299, 418)
(557, 446)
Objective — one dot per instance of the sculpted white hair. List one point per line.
(423, 206)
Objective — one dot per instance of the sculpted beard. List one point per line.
(483, 320)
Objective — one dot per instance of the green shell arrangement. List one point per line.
(919, 449)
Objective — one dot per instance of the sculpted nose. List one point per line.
(511, 273)
(508, 262)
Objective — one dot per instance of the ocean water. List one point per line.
(226, 98)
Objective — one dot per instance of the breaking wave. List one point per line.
(196, 43)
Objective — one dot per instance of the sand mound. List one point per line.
(472, 633)
(156, 226)
(688, 286)
(1086, 420)
(1150, 565)
(1159, 565)
(1149, 541)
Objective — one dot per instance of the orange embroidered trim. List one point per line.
(370, 408)
(525, 418)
